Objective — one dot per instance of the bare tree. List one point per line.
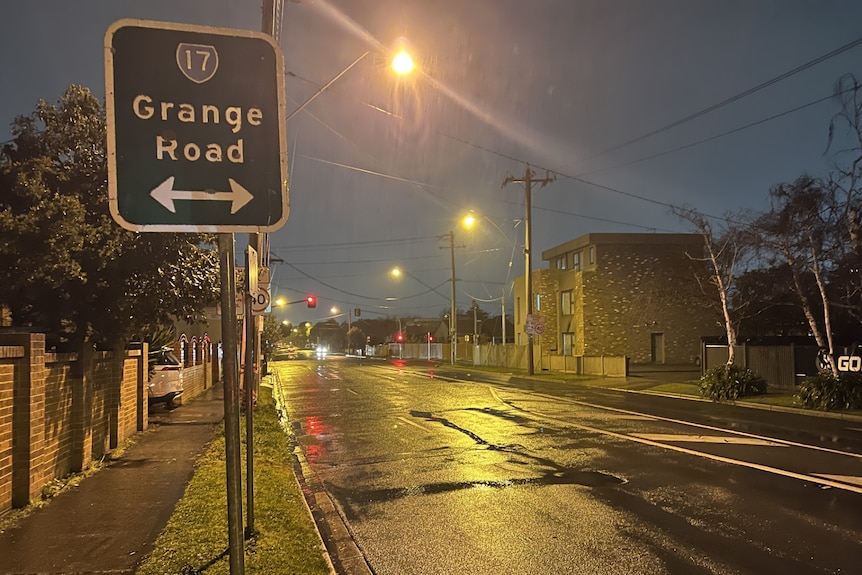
(725, 251)
(844, 143)
(797, 232)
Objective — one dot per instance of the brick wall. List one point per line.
(60, 412)
(10, 369)
(639, 291)
(633, 295)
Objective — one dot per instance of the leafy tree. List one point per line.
(272, 335)
(71, 270)
(771, 307)
(355, 338)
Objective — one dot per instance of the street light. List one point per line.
(401, 63)
(469, 221)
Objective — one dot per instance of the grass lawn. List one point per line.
(678, 388)
(195, 540)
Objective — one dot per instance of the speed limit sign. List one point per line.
(260, 301)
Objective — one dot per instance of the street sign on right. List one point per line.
(535, 324)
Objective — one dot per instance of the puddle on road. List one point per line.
(349, 498)
(548, 472)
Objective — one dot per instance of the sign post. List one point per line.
(196, 143)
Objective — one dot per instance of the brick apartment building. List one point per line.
(621, 294)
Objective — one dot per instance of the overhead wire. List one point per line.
(732, 99)
(642, 137)
(717, 136)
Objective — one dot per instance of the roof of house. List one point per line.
(620, 239)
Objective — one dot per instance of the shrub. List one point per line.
(721, 383)
(827, 392)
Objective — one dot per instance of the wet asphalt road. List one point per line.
(438, 476)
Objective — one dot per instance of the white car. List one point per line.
(166, 377)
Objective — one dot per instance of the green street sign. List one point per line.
(196, 128)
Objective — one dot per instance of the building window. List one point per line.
(568, 343)
(538, 307)
(576, 261)
(561, 263)
(567, 303)
(518, 312)
(592, 255)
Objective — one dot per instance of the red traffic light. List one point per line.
(399, 338)
(311, 301)
(430, 337)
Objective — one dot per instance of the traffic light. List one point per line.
(399, 338)
(311, 301)
(430, 337)
(357, 312)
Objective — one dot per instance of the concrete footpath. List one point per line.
(109, 522)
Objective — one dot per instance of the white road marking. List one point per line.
(730, 440)
(413, 423)
(708, 427)
(851, 479)
(628, 417)
(820, 480)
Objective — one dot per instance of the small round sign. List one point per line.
(260, 301)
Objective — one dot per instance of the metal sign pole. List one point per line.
(248, 385)
(233, 464)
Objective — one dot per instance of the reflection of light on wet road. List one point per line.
(707, 439)
(413, 423)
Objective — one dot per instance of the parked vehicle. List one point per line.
(165, 379)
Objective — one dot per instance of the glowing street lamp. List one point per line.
(402, 64)
(469, 221)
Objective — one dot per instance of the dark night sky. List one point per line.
(380, 167)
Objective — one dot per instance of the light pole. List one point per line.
(469, 221)
(453, 318)
(528, 179)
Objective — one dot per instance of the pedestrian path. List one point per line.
(109, 522)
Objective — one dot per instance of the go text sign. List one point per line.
(196, 128)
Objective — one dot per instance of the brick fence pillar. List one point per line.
(28, 416)
(82, 413)
(143, 371)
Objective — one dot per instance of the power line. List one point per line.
(732, 99)
(717, 136)
(363, 244)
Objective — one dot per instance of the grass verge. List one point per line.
(678, 388)
(195, 539)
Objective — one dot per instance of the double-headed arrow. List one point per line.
(165, 194)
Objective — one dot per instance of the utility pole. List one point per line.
(503, 305)
(528, 179)
(453, 318)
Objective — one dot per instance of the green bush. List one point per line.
(827, 392)
(721, 383)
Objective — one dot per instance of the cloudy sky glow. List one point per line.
(383, 167)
